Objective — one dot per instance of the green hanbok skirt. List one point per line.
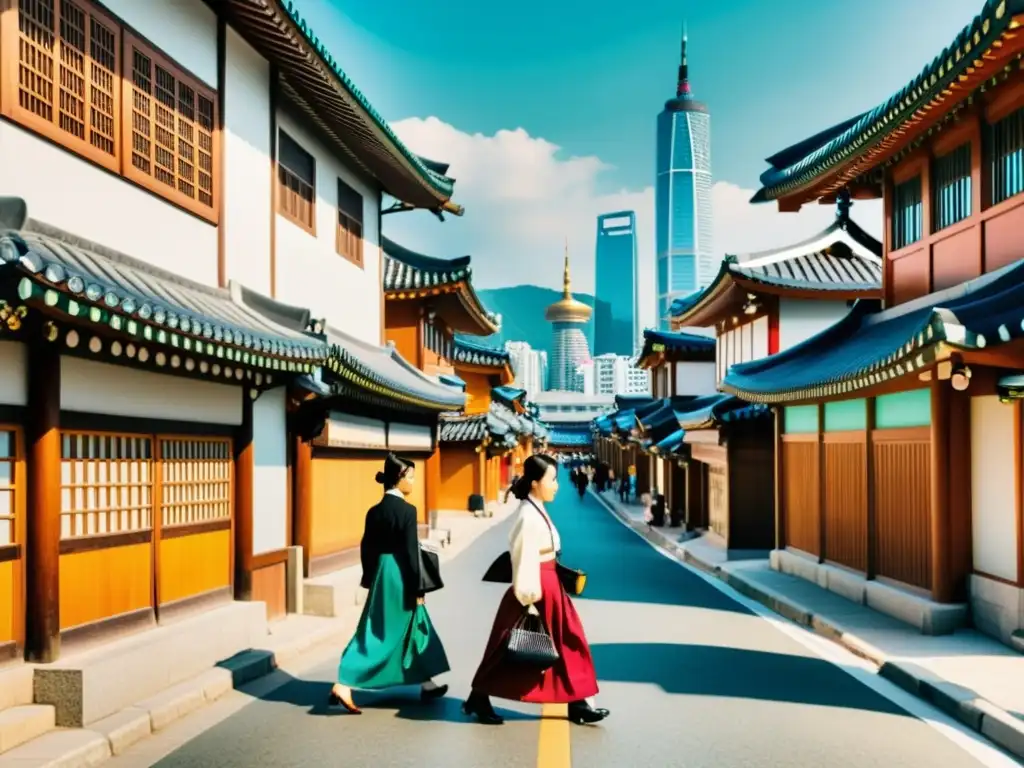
(392, 645)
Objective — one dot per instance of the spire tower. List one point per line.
(683, 82)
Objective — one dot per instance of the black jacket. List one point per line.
(391, 529)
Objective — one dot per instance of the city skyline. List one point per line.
(565, 154)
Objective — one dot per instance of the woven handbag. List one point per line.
(530, 644)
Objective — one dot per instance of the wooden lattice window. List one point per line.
(63, 80)
(8, 486)
(349, 240)
(168, 131)
(106, 484)
(296, 181)
(195, 480)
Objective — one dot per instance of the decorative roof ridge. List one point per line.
(63, 237)
(287, 315)
(475, 346)
(440, 182)
(338, 338)
(411, 258)
(842, 229)
(873, 126)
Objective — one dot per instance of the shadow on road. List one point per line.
(708, 670)
(311, 695)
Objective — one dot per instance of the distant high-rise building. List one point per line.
(615, 294)
(568, 318)
(682, 197)
(614, 375)
(530, 365)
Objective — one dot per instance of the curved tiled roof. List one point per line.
(384, 367)
(405, 270)
(120, 290)
(954, 73)
(314, 79)
(870, 347)
(842, 261)
(473, 353)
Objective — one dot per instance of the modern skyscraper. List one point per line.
(615, 375)
(530, 365)
(568, 318)
(682, 197)
(615, 294)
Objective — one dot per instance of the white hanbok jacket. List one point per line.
(531, 543)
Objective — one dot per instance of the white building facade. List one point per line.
(530, 366)
(614, 375)
(170, 251)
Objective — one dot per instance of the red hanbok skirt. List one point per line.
(572, 677)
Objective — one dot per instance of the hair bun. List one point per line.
(380, 478)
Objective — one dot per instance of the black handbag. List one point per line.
(530, 644)
(573, 580)
(430, 571)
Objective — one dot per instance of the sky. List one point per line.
(546, 113)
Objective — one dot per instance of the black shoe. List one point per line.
(429, 694)
(480, 707)
(581, 713)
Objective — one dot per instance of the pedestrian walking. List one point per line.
(536, 590)
(395, 642)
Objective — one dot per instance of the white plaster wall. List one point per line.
(270, 476)
(695, 378)
(185, 30)
(310, 273)
(993, 510)
(247, 174)
(759, 333)
(13, 373)
(88, 386)
(799, 319)
(72, 194)
(659, 475)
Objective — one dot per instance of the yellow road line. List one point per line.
(553, 748)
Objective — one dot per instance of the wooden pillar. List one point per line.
(481, 473)
(243, 480)
(302, 500)
(780, 500)
(869, 495)
(942, 587)
(42, 530)
(821, 483)
(433, 481)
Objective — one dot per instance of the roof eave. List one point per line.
(278, 31)
(809, 291)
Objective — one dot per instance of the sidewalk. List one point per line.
(968, 675)
(286, 643)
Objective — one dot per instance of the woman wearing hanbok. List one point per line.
(395, 642)
(534, 545)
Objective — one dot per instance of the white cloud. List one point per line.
(523, 198)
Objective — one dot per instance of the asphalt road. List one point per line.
(693, 679)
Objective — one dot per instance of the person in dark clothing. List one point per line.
(582, 481)
(395, 642)
(624, 488)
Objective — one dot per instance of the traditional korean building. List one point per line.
(899, 458)
(428, 301)
(481, 446)
(682, 366)
(758, 304)
(157, 304)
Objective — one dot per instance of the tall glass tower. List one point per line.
(682, 196)
(569, 349)
(615, 299)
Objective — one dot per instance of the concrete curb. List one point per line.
(960, 703)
